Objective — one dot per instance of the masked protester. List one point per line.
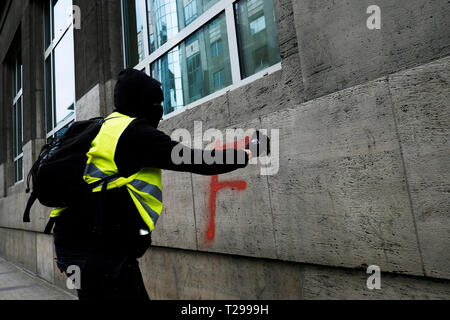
(108, 230)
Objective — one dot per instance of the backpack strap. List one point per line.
(49, 226)
(31, 200)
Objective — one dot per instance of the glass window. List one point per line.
(134, 31)
(166, 18)
(17, 119)
(257, 36)
(202, 61)
(219, 80)
(18, 74)
(18, 170)
(167, 70)
(62, 16)
(59, 66)
(64, 81)
(162, 22)
(193, 70)
(47, 24)
(48, 94)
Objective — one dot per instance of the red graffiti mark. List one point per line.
(216, 185)
(235, 145)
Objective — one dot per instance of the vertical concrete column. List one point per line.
(98, 56)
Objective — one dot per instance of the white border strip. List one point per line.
(233, 44)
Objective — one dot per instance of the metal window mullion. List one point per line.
(232, 43)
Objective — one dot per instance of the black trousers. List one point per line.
(103, 276)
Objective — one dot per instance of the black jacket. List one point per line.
(139, 146)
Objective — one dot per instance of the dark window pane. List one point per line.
(14, 123)
(47, 24)
(18, 73)
(133, 15)
(19, 126)
(16, 171)
(167, 17)
(48, 95)
(19, 176)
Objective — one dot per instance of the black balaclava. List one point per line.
(138, 95)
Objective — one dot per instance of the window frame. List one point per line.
(17, 97)
(49, 53)
(222, 6)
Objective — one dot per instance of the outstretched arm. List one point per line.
(144, 146)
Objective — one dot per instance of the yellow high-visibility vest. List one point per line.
(144, 187)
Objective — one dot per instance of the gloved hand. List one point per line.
(259, 144)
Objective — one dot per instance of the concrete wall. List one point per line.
(363, 162)
(197, 275)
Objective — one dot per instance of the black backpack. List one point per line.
(57, 174)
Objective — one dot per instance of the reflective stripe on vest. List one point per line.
(144, 187)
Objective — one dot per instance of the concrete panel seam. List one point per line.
(271, 208)
(273, 219)
(302, 279)
(228, 105)
(405, 173)
(193, 208)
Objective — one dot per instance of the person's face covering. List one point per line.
(138, 95)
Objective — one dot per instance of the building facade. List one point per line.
(362, 114)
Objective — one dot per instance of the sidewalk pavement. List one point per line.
(17, 284)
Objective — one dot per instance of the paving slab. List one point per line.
(19, 284)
